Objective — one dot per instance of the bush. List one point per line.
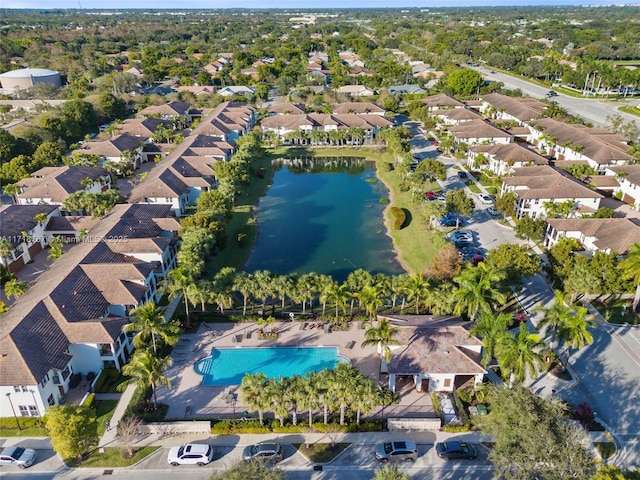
(228, 427)
(456, 428)
(108, 380)
(400, 217)
(90, 401)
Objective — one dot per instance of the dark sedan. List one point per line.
(453, 450)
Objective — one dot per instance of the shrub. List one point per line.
(90, 401)
(109, 378)
(456, 428)
(584, 414)
(399, 217)
(228, 427)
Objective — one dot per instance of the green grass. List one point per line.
(605, 449)
(31, 427)
(614, 311)
(631, 110)
(112, 458)
(320, 452)
(471, 185)
(104, 412)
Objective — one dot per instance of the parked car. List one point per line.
(462, 174)
(20, 456)
(551, 93)
(430, 195)
(461, 234)
(492, 72)
(402, 450)
(190, 454)
(454, 449)
(493, 211)
(266, 452)
(436, 144)
(448, 221)
(439, 197)
(486, 199)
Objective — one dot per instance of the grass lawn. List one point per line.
(605, 449)
(320, 452)
(104, 412)
(614, 311)
(112, 457)
(31, 427)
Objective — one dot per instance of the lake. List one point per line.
(323, 215)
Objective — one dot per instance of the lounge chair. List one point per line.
(350, 345)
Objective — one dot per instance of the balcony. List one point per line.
(106, 350)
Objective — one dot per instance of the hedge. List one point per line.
(399, 217)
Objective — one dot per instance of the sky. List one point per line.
(283, 4)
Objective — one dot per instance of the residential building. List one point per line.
(69, 322)
(175, 110)
(628, 177)
(236, 90)
(356, 91)
(502, 159)
(124, 149)
(52, 185)
(535, 186)
(595, 234)
(517, 109)
(480, 131)
(441, 101)
(23, 227)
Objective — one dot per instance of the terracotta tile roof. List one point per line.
(59, 182)
(112, 147)
(287, 108)
(602, 181)
(459, 114)
(15, 219)
(166, 184)
(174, 108)
(78, 298)
(511, 152)
(524, 109)
(441, 100)
(119, 283)
(478, 129)
(545, 183)
(142, 127)
(71, 223)
(631, 173)
(440, 348)
(599, 145)
(615, 234)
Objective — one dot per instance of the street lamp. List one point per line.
(35, 402)
(14, 411)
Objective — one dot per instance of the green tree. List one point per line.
(546, 445)
(463, 81)
(530, 229)
(630, 268)
(73, 429)
(147, 371)
(491, 329)
(390, 472)
(55, 248)
(254, 392)
(15, 288)
(506, 203)
(477, 291)
(459, 203)
(179, 282)
(383, 337)
(432, 170)
(148, 322)
(519, 354)
(514, 261)
(254, 470)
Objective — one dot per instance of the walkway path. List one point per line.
(109, 436)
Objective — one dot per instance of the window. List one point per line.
(50, 400)
(33, 410)
(24, 388)
(447, 382)
(24, 410)
(16, 389)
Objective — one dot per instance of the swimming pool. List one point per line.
(227, 366)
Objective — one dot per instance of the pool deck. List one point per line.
(188, 399)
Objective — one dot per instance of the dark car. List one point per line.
(551, 93)
(266, 452)
(462, 174)
(448, 221)
(404, 450)
(454, 449)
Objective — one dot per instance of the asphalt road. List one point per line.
(591, 110)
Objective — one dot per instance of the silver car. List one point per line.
(403, 450)
(265, 452)
(20, 456)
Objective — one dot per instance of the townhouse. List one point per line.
(521, 110)
(480, 131)
(24, 228)
(502, 159)
(67, 327)
(52, 185)
(123, 149)
(175, 111)
(594, 234)
(535, 186)
(628, 178)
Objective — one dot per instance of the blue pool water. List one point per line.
(227, 366)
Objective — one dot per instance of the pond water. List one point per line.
(323, 215)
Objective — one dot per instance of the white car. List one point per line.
(486, 199)
(190, 454)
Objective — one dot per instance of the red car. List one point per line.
(430, 195)
(436, 144)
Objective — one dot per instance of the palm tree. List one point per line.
(253, 389)
(343, 385)
(243, 283)
(397, 289)
(337, 294)
(365, 396)
(555, 315)
(148, 322)
(382, 337)
(276, 392)
(518, 354)
(15, 288)
(574, 333)
(307, 287)
(179, 282)
(491, 330)
(417, 287)
(327, 397)
(146, 370)
(370, 299)
(476, 290)
(630, 268)
(310, 392)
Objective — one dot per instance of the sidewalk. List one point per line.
(109, 436)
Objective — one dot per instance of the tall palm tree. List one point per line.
(6, 251)
(146, 370)
(328, 397)
(477, 290)
(310, 393)
(397, 289)
(491, 330)
(14, 288)
(365, 396)
(243, 284)
(180, 282)
(148, 322)
(382, 336)
(337, 294)
(276, 392)
(369, 298)
(343, 385)
(555, 315)
(253, 389)
(519, 354)
(417, 288)
(307, 287)
(630, 268)
(264, 285)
